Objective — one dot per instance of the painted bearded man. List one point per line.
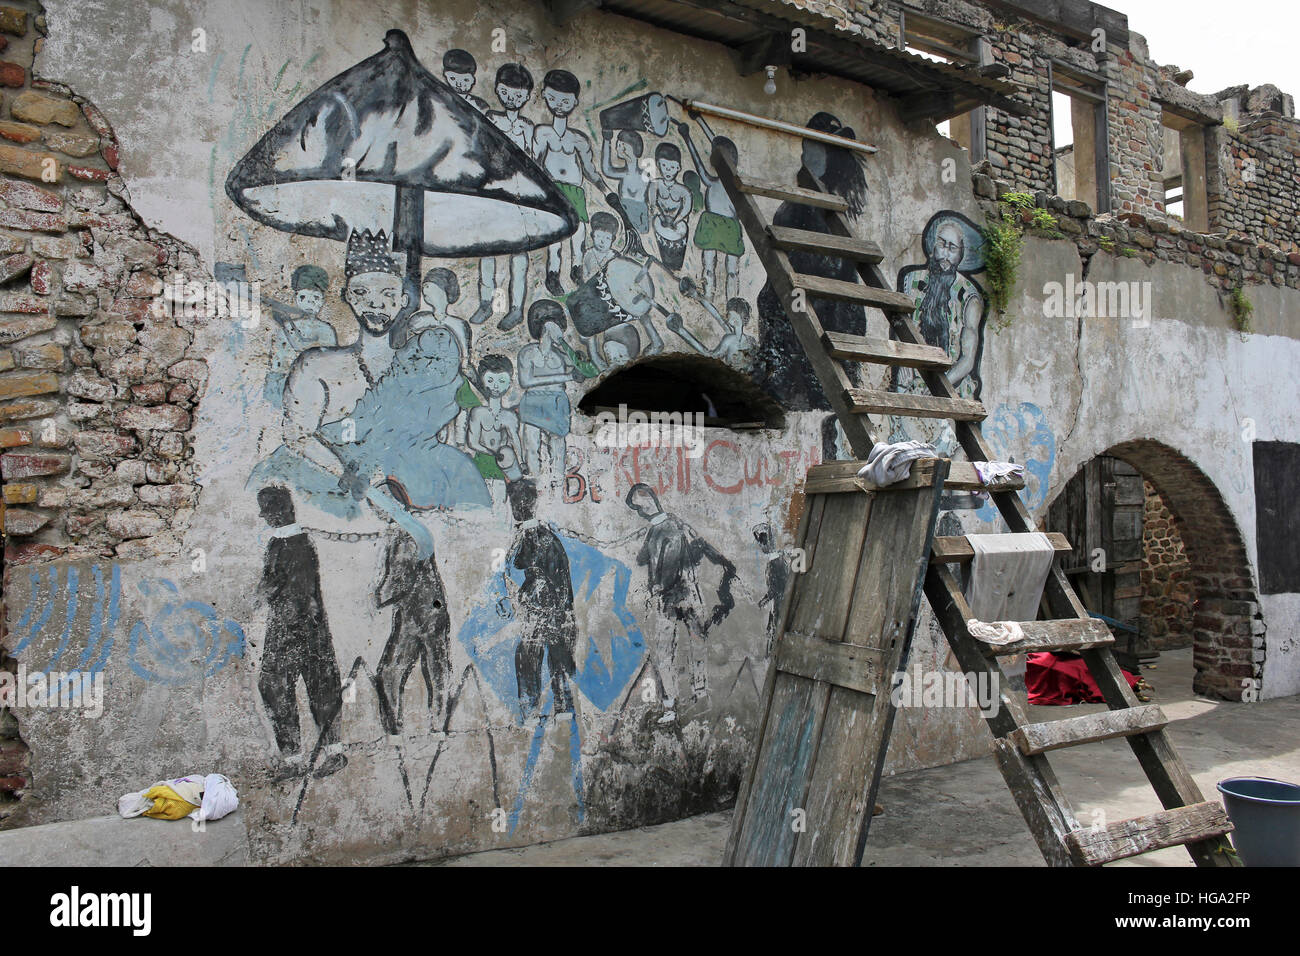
(950, 310)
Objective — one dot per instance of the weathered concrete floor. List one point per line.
(963, 815)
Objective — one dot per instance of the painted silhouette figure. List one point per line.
(421, 631)
(544, 604)
(672, 554)
(298, 642)
(776, 573)
(787, 372)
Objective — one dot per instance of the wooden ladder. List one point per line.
(1021, 747)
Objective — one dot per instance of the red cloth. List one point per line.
(1063, 679)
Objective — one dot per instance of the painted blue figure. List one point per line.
(398, 423)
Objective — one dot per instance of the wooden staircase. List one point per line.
(1020, 746)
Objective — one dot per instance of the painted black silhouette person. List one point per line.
(298, 642)
(776, 572)
(672, 554)
(544, 605)
(421, 631)
(785, 368)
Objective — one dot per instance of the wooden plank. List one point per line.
(1095, 846)
(824, 243)
(922, 475)
(1090, 728)
(886, 605)
(820, 601)
(957, 549)
(796, 194)
(823, 288)
(840, 476)
(785, 754)
(873, 401)
(835, 662)
(1041, 803)
(1069, 634)
(806, 538)
(859, 348)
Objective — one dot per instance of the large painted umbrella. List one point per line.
(386, 145)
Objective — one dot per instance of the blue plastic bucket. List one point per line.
(1265, 814)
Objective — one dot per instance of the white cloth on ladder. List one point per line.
(890, 463)
(1007, 578)
(994, 474)
(996, 632)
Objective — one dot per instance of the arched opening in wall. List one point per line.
(720, 395)
(1157, 552)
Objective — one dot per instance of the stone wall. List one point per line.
(1167, 597)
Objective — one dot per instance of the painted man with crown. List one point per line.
(342, 430)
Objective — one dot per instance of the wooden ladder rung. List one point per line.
(797, 194)
(1094, 846)
(824, 243)
(957, 549)
(859, 292)
(1071, 634)
(859, 348)
(963, 477)
(872, 401)
(1090, 728)
(843, 476)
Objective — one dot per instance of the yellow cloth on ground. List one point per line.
(167, 803)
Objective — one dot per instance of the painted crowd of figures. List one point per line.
(453, 398)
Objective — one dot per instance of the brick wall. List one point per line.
(1227, 628)
(97, 387)
(1167, 596)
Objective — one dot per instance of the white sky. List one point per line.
(1224, 42)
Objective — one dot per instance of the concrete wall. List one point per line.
(198, 642)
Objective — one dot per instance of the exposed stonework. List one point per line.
(89, 406)
(1227, 629)
(1167, 596)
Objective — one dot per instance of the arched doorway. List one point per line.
(1200, 547)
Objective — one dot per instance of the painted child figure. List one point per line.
(735, 347)
(545, 368)
(567, 156)
(718, 232)
(514, 86)
(459, 69)
(493, 430)
(670, 205)
(632, 181)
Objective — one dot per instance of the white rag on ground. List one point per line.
(889, 463)
(213, 794)
(1006, 580)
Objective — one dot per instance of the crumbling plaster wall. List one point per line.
(1057, 392)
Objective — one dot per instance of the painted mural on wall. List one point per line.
(784, 368)
(502, 236)
(951, 309)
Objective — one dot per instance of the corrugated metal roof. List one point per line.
(831, 49)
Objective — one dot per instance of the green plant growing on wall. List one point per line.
(1230, 124)
(1002, 246)
(1129, 252)
(1044, 221)
(1242, 309)
(1107, 243)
